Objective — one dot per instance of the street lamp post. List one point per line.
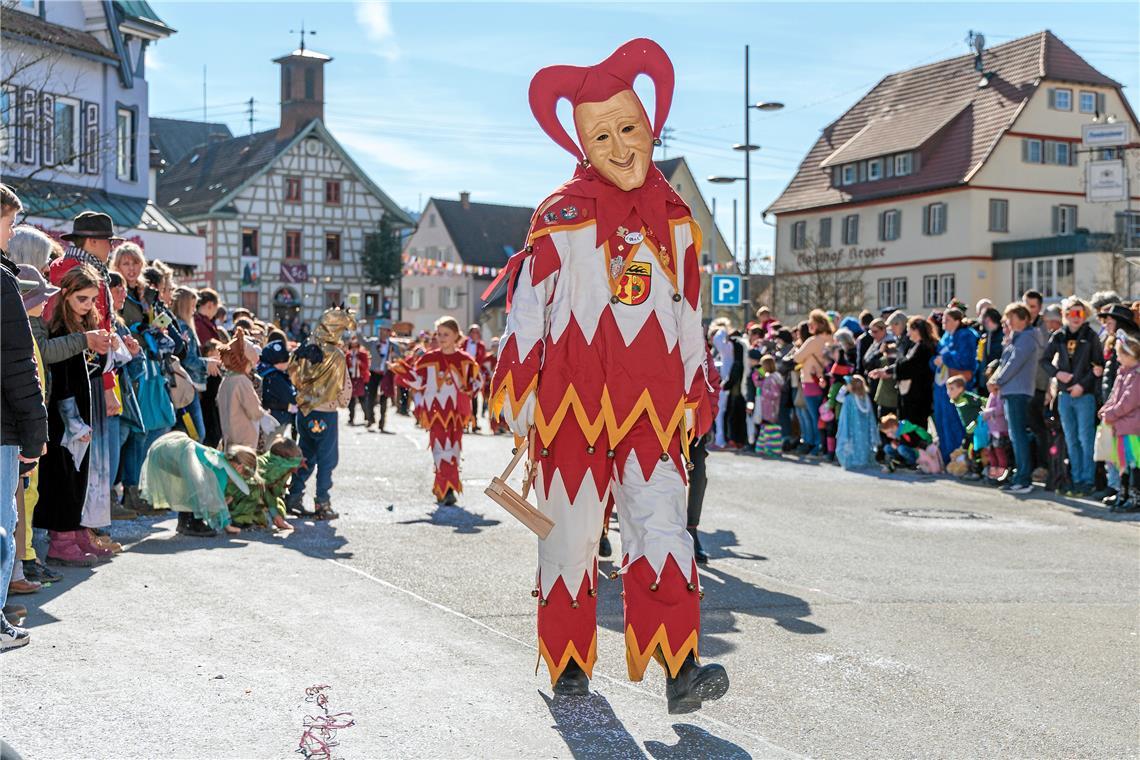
(747, 147)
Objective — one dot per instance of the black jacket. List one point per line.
(23, 416)
(1076, 354)
(277, 392)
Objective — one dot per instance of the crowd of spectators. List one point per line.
(1031, 393)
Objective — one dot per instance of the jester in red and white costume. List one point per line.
(443, 381)
(603, 361)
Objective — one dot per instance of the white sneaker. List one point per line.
(12, 637)
(1018, 490)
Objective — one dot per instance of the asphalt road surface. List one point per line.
(858, 615)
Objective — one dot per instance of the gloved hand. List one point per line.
(521, 423)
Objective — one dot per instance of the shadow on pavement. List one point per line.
(726, 597)
(457, 517)
(590, 728)
(694, 741)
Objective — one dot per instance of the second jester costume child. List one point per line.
(603, 362)
(443, 380)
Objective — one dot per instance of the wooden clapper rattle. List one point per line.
(515, 502)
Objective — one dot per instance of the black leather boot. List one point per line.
(694, 684)
(573, 682)
(699, 553)
(604, 547)
(449, 499)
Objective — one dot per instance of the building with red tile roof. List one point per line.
(964, 178)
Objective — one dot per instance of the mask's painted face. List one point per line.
(617, 139)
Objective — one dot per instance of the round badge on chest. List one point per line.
(633, 238)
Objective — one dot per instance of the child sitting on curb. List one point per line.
(904, 441)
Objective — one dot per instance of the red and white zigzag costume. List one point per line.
(604, 355)
(443, 384)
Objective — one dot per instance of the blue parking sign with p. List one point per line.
(726, 290)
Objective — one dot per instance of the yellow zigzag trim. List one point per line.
(586, 662)
(637, 659)
(452, 418)
(505, 391)
(608, 417)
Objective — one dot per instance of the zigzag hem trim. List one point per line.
(637, 658)
(556, 668)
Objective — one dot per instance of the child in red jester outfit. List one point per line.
(443, 380)
(603, 363)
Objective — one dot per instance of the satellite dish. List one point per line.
(979, 42)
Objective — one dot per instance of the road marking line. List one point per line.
(520, 642)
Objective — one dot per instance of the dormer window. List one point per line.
(850, 174)
(904, 164)
(875, 170)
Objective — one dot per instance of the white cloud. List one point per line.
(375, 19)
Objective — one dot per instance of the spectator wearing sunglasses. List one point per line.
(1070, 357)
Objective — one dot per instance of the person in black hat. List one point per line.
(90, 240)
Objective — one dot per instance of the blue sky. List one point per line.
(430, 98)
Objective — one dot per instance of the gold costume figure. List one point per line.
(319, 383)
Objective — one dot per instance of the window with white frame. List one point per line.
(1062, 99)
(448, 297)
(850, 174)
(904, 164)
(1128, 225)
(1031, 152)
(1064, 220)
(999, 215)
(898, 288)
(7, 120)
(65, 126)
(884, 293)
(851, 229)
(1058, 152)
(47, 129)
(799, 235)
(946, 286)
(891, 293)
(125, 136)
(1086, 102)
(1053, 277)
(28, 126)
(825, 232)
(874, 170)
(413, 298)
(91, 138)
(934, 219)
(937, 290)
(889, 224)
(930, 290)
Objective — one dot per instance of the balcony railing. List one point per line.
(1057, 245)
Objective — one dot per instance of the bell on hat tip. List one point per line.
(692, 587)
(592, 592)
(652, 586)
(534, 592)
(657, 141)
(701, 594)
(541, 602)
(613, 575)
(574, 604)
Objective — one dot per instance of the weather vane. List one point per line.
(302, 33)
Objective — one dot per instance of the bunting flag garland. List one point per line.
(421, 265)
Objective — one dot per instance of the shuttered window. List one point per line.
(999, 215)
(934, 219)
(1064, 220)
(851, 229)
(825, 232)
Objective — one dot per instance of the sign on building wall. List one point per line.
(1105, 135)
(294, 272)
(726, 290)
(1105, 182)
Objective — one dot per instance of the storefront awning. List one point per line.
(53, 206)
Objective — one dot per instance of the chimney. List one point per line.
(302, 90)
(465, 199)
